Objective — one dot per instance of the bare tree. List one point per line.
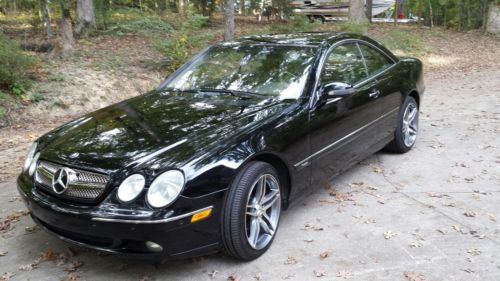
(357, 11)
(229, 20)
(369, 10)
(85, 17)
(46, 17)
(64, 42)
(181, 6)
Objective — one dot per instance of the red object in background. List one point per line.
(401, 15)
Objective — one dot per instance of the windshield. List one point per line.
(270, 70)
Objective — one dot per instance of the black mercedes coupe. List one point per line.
(208, 161)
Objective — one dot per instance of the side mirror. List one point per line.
(337, 90)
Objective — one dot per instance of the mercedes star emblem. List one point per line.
(61, 180)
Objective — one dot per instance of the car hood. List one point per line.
(177, 126)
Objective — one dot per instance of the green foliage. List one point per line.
(15, 65)
(403, 40)
(36, 97)
(297, 23)
(146, 25)
(180, 46)
(351, 27)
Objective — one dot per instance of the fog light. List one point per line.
(153, 247)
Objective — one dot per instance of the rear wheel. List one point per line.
(252, 211)
(407, 127)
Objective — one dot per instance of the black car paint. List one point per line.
(209, 144)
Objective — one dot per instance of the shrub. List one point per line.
(146, 25)
(297, 23)
(360, 28)
(187, 39)
(15, 66)
(402, 40)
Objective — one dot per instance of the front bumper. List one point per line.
(91, 227)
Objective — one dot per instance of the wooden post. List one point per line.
(369, 10)
(396, 12)
(419, 12)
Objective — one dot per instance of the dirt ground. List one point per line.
(431, 214)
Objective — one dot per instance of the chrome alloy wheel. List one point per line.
(262, 211)
(410, 124)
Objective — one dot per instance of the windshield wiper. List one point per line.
(234, 93)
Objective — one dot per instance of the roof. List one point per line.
(302, 38)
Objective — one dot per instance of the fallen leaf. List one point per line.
(49, 255)
(73, 277)
(308, 240)
(74, 265)
(470, 214)
(28, 267)
(290, 260)
(319, 273)
(213, 274)
(6, 276)
(443, 231)
(415, 244)
(474, 251)
(32, 229)
(412, 276)
(233, 277)
(3, 253)
(389, 234)
(324, 255)
(257, 277)
(344, 274)
(492, 217)
(288, 275)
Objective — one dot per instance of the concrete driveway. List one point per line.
(431, 214)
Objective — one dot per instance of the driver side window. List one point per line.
(344, 64)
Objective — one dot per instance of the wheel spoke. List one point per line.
(269, 200)
(254, 232)
(261, 189)
(252, 211)
(412, 114)
(412, 131)
(266, 226)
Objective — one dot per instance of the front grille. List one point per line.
(83, 186)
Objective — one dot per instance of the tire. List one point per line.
(406, 131)
(244, 217)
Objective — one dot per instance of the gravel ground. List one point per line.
(431, 214)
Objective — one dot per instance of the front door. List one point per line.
(342, 128)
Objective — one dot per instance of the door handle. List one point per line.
(374, 94)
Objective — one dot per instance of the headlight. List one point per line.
(31, 169)
(165, 188)
(29, 158)
(131, 187)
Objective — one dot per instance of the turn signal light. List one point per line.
(201, 215)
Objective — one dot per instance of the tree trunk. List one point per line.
(369, 10)
(357, 11)
(46, 17)
(242, 7)
(396, 12)
(429, 12)
(229, 20)
(181, 7)
(64, 48)
(85, 17)
(484, 14)
(419, 12)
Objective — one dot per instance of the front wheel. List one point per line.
(406, 128)
(252, 211)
